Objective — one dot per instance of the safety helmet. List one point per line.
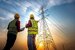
(17, 16)
(31, 16)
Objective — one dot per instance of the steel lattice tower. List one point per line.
(46, 34)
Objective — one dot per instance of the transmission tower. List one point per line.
(47, 37)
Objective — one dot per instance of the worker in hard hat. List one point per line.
(32, 32)
(13, 29)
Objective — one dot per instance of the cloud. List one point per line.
(1, 18)
(58, 2)
(6, 15)
(52, 3)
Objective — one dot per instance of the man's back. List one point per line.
(12, 26)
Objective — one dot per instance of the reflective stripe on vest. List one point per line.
(12, 27)
(34, 28)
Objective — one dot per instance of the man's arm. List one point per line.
(8, 27)
(29, 24)
(18, 25)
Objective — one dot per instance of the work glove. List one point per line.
(22, 29)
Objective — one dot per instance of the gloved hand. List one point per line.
(22, 29)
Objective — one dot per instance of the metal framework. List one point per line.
(46, 34)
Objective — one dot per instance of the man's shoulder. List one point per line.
(11, 21)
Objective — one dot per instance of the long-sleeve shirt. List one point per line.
(29, 24)
(18, 25)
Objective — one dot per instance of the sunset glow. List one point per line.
(59, 16)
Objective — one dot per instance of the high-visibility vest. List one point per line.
(12, 27)
(34, 28)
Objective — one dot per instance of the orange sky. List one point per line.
(21, 41)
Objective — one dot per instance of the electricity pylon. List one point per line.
(47, 37)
